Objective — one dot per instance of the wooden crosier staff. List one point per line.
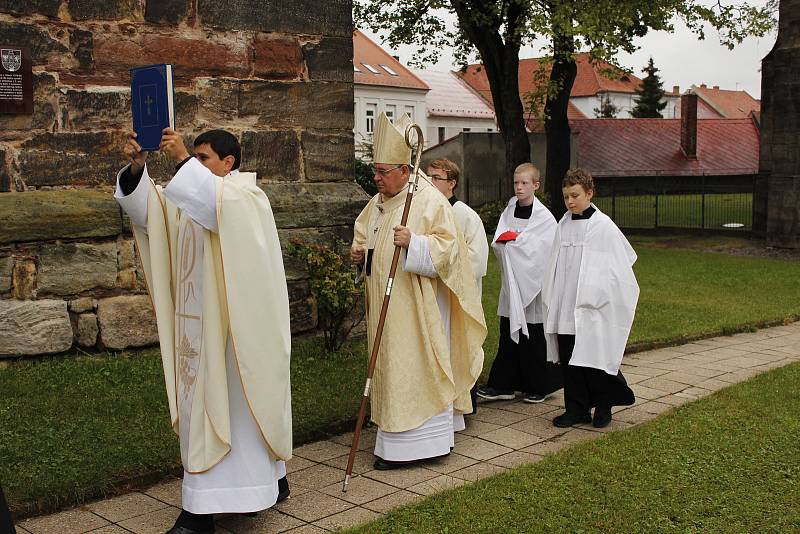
(373, 357)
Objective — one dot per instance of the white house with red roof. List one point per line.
(594, 80)
(716, 103)
(382, 84)
(453, 107)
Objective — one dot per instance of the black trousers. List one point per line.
(523, 366)
(586, 387)
(6, 524)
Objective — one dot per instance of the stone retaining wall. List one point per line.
(277, 74)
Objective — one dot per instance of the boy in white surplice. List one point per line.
(223, 325)
(590, 299)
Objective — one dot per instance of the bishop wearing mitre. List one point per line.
(212, 261)
(430, 353)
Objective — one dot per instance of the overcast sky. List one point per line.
(682, 58)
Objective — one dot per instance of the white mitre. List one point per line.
(389, 145)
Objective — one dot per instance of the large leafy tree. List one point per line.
(495, 30)
(650, 95)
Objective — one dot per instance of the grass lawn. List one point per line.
(680, 211)
(73, 427)
(726, 463)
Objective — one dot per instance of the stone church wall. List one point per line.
(276, 73)
(777, 201)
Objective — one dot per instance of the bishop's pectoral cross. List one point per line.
(148, 101)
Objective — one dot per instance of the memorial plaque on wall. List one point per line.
(16, 80)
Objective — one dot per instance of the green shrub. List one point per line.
(339, 299)
(490, 214)
(363, 174)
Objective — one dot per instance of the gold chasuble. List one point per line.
(244, 295)
(419, 371)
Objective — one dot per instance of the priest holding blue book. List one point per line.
(214, 269)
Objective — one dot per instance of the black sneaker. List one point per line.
(490, 393)
(534, 398)
(602, 417)
(567, 419)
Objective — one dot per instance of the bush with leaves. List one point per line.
(339, 299)
(363, 173)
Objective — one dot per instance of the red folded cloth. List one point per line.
(509, 235)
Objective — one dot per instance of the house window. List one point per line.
(441, 134)
(370, 115)
(390, 71)
(390, 111)
(410, 111)
(370, 68)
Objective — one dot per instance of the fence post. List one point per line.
(703, 204)
(614, 199)
(657, 185)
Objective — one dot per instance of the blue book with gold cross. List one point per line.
(152, 103)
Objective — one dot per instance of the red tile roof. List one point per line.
(729, 104)
(589, 80)
(451, 97)
(534, 124)
(651, 147)
(366, 52)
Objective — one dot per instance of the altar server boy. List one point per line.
(590, 297)
(524, 244)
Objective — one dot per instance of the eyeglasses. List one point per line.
(383, 172)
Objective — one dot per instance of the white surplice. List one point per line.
(592, 290)
(246, 479)
(524, 265)
(434, 437)
(471, 226)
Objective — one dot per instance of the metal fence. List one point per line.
(688, 202)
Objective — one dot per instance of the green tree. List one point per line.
(607, 109)
(650, 99)
(495, 30)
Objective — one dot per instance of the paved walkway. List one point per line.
(500, 436)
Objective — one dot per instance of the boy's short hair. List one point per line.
(449, 167)
(529, 169)
(223, 143)
(578, 176)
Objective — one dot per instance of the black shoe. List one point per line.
(189, 523)
(602, 417)
(473, 395)
(490, 393)
(382, 465)
(534, 398)
(566, 420)
(185, 530)
(283, 489)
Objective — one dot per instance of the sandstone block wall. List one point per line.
(276, 73)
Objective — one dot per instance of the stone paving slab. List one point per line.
(501, 436)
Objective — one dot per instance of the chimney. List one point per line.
(716, 87)
(676, 89)
(689, 125)
(704, 86)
